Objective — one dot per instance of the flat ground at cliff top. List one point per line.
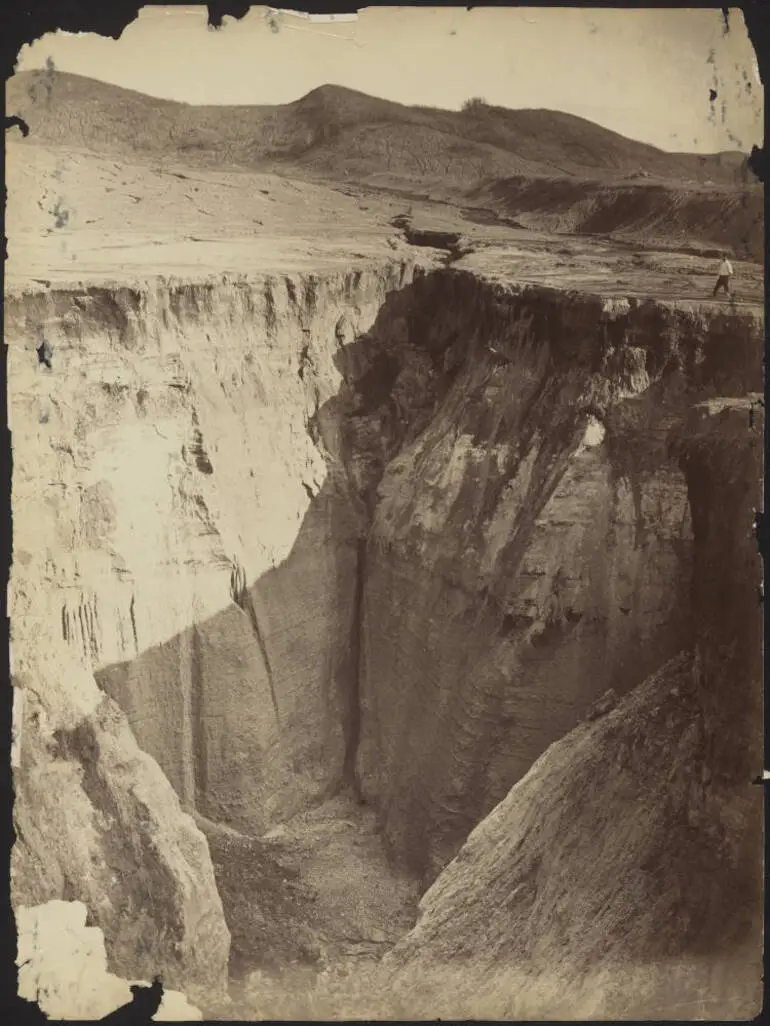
(76, 217)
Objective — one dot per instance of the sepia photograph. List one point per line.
(386, 405)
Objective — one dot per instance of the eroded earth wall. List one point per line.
(533, 547)
(172, 435)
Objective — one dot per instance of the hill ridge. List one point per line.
(559, 141)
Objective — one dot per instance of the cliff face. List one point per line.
(622, 877)
(96, 821)
(185, 536)
(172, 432)
(720, 449)
(532, 547)
(309, 532)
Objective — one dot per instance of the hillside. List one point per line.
(340, 132)
(650, 213)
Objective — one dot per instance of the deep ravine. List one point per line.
(366, 556)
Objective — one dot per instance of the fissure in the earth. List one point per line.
(466, 510)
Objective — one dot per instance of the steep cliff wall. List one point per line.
(185, 533)
(720, 447)
(532, 547)
(171, 436)
(622, 877)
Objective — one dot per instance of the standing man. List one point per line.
(725, 274)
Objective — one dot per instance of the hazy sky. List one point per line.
(645, 73)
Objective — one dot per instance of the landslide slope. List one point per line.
(607, 884)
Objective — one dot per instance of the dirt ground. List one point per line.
(341, 886)
(74, 217)
(363, 903)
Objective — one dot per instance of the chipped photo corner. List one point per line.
(385, 395)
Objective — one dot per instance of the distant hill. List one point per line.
(339, 133)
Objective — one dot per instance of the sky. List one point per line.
(646, 73)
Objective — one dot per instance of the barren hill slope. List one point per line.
(332, 126)
(651, 213)
(546, 169)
